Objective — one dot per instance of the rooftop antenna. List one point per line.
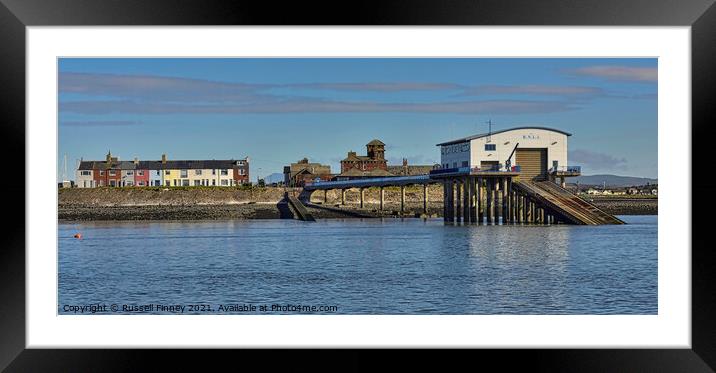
(489, 131)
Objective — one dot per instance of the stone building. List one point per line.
(297, 174)
(411, 170)
(373, 160)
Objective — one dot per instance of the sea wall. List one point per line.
(197, 203)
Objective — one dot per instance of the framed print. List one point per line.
(467, 177)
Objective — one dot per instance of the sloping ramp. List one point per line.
(300, 209)
(565, 204)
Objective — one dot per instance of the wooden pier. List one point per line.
(473, 196)
(500, 198)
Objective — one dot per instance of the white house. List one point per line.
(84, 178)
(539, 151)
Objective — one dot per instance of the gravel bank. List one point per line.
(624, 206)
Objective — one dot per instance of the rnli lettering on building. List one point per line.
(535, 149)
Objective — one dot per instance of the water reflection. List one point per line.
(389, 266)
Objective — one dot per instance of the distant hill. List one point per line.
(273, 178)
(611, 180)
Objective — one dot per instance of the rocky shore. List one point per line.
(626, 206)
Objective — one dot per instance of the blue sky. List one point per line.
(277, 111)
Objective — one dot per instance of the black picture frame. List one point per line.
(16, 15)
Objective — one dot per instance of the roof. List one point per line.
(464, 139)
(356, 158)
(375, 142)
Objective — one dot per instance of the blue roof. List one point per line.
(464, 139)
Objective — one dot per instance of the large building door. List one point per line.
(533, 163)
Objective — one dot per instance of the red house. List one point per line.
(141, 175)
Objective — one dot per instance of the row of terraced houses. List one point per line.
(169, 173)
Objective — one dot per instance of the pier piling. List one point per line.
(425, 198)
(402, 198)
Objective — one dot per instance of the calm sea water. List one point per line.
(392, 266)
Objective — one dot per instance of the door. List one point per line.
(489, 165)
(533, 163)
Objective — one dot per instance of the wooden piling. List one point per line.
(473, 202)
(467, 195)
(445, 201)
(480, 205)
(488, 193)
(503, 186)
(458, 209)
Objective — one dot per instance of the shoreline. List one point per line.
(109, 204)
(280, 210)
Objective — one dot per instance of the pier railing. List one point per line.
(375, 180)
(570, 169)
(474, 170)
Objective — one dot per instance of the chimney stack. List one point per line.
(136, 160)
(164, 158)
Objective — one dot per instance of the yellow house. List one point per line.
(172, 177)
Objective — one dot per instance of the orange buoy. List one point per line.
(77, 235)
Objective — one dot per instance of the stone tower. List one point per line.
(376, 150)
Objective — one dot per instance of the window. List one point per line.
(183, 173)
(129, 183)
(490, 147)
(224, 182)
(86, 173)
(112, 183)
(101, 173)
(167, 172)
(464, 164)
(112, 172)
(197, 172)
(213, 182)
(213, 172)
(224, 172)
(185, 182)
(159, 172)
(197, 182)
(130, 173)
(141, 183)
(242, 171)
(168, 183)
(140, 173)
(157, 183)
